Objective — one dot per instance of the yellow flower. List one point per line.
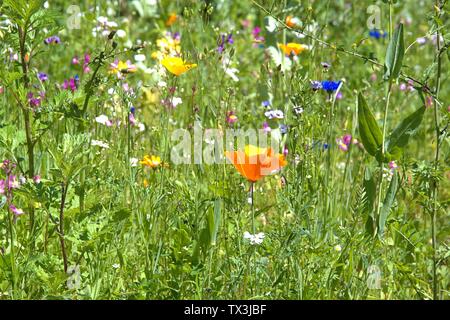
(292, 48)
(120, 67)
(171, 20)
(176, 65)
(151, 161)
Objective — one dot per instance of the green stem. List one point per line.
(381, 178)
(436, 163)
(64, 188)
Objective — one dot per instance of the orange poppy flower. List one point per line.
(292, 48)
(254, 163)
(291, 21)
(171, 20)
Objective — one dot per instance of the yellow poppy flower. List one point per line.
(292, 48)
(151, 161)
(176, 65)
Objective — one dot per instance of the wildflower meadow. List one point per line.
(201, 150)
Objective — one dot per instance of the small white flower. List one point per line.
(231, 72)
(116, 266)
(103, 120)
(141, 126)
(337, 248)
(254, 239)
(139, 57)
(421, 40)
(100, 143)
(121, 33)
(271, 114)
(298, 110)
(176, 101)
(134, 162)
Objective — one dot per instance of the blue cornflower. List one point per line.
(266, 103)
(316, 85)
(377, 34)
(330, 85)
(132, 109)
(283, 128)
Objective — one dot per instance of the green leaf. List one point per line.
(369, 130)
(370, 189)
(387, 204)
(394, 55)
(2, 201)
(214, 221)
(400, 136)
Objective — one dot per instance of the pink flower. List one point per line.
(13, 183)
(392, 165)
(132, 119)
(231, 117)
(429, 102)
(37, 179)
(344, 142)
(342, 145)
(15, 210)
(266, 127)
(87, 59)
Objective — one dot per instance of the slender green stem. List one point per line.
(381, 178)
(391, 25)
(436, 163)
(64, 188)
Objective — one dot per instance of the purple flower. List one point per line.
(52, 40)
(33, 101)
(42, 76)
(224, 39)
(347, 139)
